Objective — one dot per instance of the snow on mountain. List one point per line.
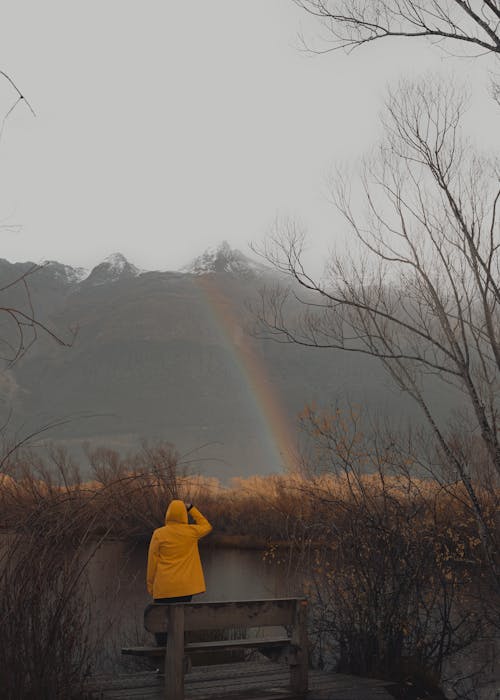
(118, 263)
(217, 259)
(72, 275)
(114, 267)
(223, 258)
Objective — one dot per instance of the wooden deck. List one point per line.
(240, 681)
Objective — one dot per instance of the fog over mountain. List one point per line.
(158, 356)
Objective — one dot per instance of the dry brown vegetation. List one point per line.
(128, 497)
(394, 565)
(45, 647)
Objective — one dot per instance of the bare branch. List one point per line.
(353, 24)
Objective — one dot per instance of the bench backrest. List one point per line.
(227, 614)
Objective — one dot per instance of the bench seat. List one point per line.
(252, 643)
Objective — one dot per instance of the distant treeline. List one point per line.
(128, 496)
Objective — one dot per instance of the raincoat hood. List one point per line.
(176, 513)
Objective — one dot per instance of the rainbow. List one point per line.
(254, 373)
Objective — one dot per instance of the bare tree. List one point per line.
(20, 326)
(421, 292)
(390, 566)
(351, 23)
(19, 323)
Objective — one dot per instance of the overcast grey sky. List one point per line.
(164, 126)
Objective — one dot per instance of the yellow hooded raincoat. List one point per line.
(174, 566)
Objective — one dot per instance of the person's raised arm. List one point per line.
(152, 563)
(202, 526)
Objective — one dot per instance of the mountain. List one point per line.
(223, 258)
(66, 273)
(113, 268)
(170, 356)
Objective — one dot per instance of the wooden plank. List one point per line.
(284, 599)
(251, 694)
(223, 614)
(129, 680)
(265, 677)
(258, 680)
(239, 668)
(259, 685)
(257, 694)
(139, 693)
(248, 694)
(246, 614)
(199, 675)
(266, 680)
(218, 691)
(144, 651)
(299, 668)
(341, 681)
(174, 672)
(274, 675)
(356, 694)
(236, 669)
(239, 690)
(254, 642)
(251, 643)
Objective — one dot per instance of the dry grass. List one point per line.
(393, 565)
(45, 648)
(128, 498)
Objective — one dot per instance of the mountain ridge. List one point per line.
(171, 356)
(219, 258)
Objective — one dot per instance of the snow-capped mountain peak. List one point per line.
(118, 262)
(114, 267)
(72, 275)
(223, 258)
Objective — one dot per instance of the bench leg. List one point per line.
(174, 671)
(299, 673)
(299, 666)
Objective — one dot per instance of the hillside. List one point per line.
(168, 356)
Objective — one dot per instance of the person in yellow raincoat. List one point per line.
(174, 572)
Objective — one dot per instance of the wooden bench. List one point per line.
(178, 618)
